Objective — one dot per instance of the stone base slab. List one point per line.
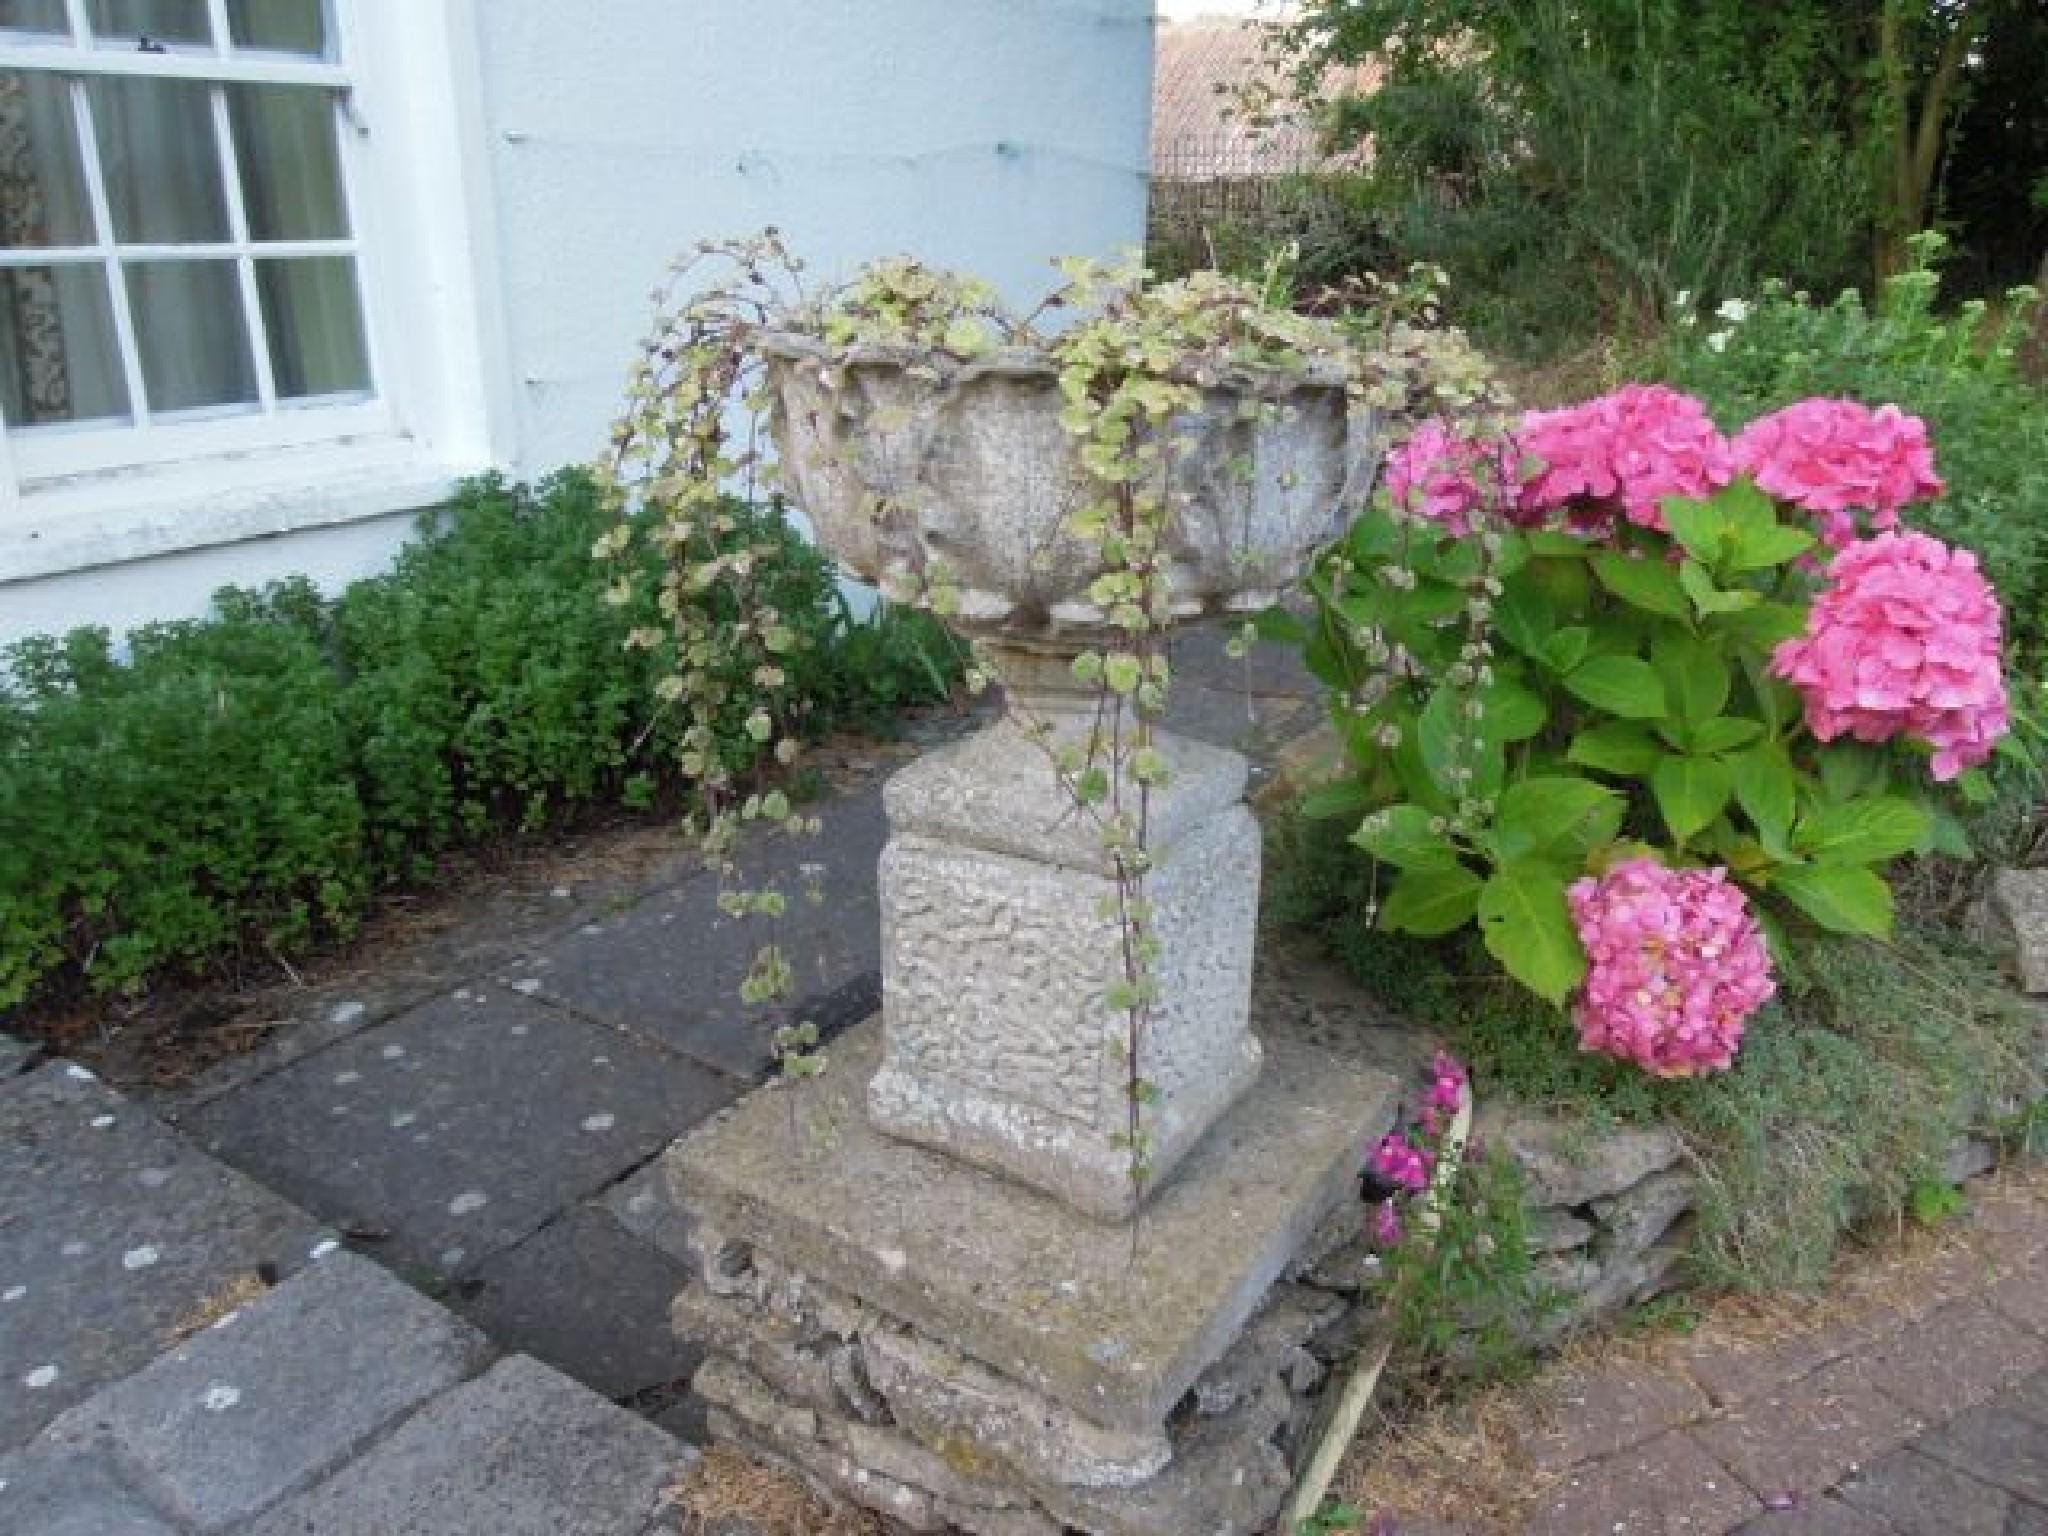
(954, 1351)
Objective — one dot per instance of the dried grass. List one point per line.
(725, 1484)
(229, 1298)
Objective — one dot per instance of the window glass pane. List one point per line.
(290, 163)
(315, 319)
(59, 359)
(161, 21)
(188, 327)
(42, 178)
(279, 26)
(33, 16)
(162, 167)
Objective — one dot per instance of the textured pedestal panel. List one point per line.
(944, 1346)
(999, 950)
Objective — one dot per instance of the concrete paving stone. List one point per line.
(1998, 1445)
(670, 967)
(520, 1451)
(1918, 1496)
(463, 1126)
(1670, 1486)
(645, 1206)
(278, 1394)
(2028, 1398)
(1733, 1371)
(1823, 1517)
(1803, 1439)
(1953, 1358)
(117, 1232)
(1596, 1414)
(589, 1299)
(49, 1492)
(2027, 1520)
(2022, 1297)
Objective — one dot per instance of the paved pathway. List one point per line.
(1918, 1408)
(420, 1171)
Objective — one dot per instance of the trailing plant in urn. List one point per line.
(1060, 496)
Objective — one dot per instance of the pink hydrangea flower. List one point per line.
(1620, 455)
(1401, 1163)
(1832, 457)
(1676, 965)
(1440, 474)
(1903, 640)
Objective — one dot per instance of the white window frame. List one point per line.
(411, 140)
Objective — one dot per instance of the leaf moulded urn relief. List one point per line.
(1000, 947)
(920, 471)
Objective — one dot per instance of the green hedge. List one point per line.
(245, 784)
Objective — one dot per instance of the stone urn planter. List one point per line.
(999, 1045)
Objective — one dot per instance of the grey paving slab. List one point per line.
(117, 1232)
(645, 1206)
(591, 1300)
(1998, 1446)
(670, 967)
(1920, 1496)
(521, 1451)
(462, 1126)
(50, 1492)
(278, 1394)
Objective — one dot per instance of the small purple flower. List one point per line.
(1386, 1225)
(1400, 1163)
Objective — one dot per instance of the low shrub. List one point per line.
(244, 784)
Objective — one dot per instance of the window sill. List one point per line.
(83, 522)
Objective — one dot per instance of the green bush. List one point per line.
(1959, 371)
(246, 783)
(169, 809)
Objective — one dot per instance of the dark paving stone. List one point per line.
(591, 1300)
(1803, 1439)
(116, 1232)
(1667, 1487)
(1823, 1517)
(45, 1492)
(2027, 1520)
(1227, 717)
(521, 1451)
(1919, 1496)
(1997, 1445)
(1200, 655)
(463, 1126)
(278, 1394)
(670, 967)
(1953, 1358)
(2029, 1397)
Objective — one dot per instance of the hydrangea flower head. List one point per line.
(1833, 457)
(1439, 474)
(1620, 455)
(1676, 965)
(1903, 640)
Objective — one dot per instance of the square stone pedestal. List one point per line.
(953, 1350)
(1000, 947)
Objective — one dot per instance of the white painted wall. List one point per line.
(990, 135)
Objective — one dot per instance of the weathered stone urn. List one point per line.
(998, 1044)
(926, 1282)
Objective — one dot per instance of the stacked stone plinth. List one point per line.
(938, 1344)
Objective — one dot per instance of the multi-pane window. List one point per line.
(177, 246)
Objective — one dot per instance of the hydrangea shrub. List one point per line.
(1635, 698)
